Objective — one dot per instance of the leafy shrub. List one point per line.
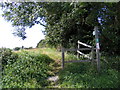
(43, 43)
(112, 61)
(29, 71)
(7, 56)
(17, 48)
(29, 48)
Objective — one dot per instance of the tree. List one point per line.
(66, 22)
(41, 44)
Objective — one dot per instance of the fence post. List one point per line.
(62, 58)
(97, 47)
(92, 54)
(78, 55)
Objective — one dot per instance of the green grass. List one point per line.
(30, 70)
(51, 52)
(85, 75)
(47, 61)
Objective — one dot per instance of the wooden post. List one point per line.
(92, 54)
(92, 57)
(78, 55)
(63, 58)
(97, 47)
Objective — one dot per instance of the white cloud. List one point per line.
(34, 35)
(7, 39)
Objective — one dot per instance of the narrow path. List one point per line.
(55, 78)
(56, 56)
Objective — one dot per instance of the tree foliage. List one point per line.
(67, 22)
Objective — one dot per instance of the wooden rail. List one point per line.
(90, 58)
(83, 54)
(75, 49)
(84, 44)
(74, 61)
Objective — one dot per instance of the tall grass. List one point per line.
(85, 75)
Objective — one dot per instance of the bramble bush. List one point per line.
(29, 71)
(7, 56)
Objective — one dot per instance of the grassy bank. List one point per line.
(36, 65)
(29, 70)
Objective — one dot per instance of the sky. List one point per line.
(8, 40)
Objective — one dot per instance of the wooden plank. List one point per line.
(75, 49)
(84, 44)
(83, 54)
(78, 55)
(74, 61)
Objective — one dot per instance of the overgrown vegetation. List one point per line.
(29, 70)
(7, 56)
(85, 75)
(65, 23)
(32, 68)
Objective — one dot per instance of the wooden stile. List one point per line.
(90, 58)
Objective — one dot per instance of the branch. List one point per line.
(42, 24)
